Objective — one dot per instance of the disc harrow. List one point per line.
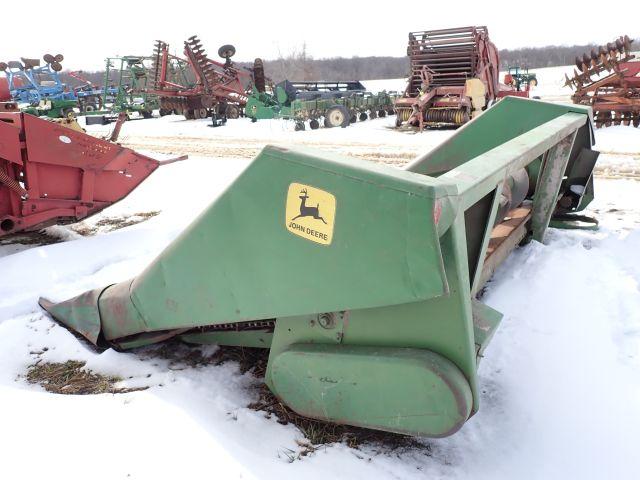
(608, 80)
(198, 87)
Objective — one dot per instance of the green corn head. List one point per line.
(361, 278)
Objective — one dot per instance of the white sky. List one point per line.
(267, 28)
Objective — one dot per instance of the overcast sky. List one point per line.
(88, 31)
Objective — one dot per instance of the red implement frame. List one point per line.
(614, 98)
(442, 61)
(52, 174)
(215, 82)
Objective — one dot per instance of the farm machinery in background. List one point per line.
(336, 104)
(608, 80)
(208, 88)
(518, 82)
(40, 86)
(125, 83)
(364, 280)
(453, 78)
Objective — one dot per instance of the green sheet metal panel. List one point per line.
(240, 261)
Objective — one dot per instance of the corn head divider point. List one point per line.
(363, 279)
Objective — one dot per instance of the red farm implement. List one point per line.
(453, 78)
(608, 81)
(198, 87)
(52, 174)
(454, 74)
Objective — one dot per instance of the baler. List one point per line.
(362, 279)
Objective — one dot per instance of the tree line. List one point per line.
(298, 65)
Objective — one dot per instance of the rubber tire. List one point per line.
(299, 127)
(353, 119)
(382, 114)
(314, 124)
(362, 117)
(373, 114)
(333, 119)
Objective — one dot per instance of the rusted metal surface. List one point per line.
(50, 173)
(444, 64)
(196, 86)
(608, 80)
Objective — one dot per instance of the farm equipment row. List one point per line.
(609, 82)
(42, 88)
(364, 279)
(336, 104)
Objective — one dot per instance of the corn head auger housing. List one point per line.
(361, 278)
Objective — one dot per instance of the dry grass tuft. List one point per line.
(69, 378)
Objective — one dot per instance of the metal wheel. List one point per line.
(233, 112)
(227, 51)
(336, 116)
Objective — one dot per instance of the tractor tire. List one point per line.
(336, 116)
(232, 112)
(258, 75)
(226, 51)
(314, 124)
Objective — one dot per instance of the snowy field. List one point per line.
(560, 382)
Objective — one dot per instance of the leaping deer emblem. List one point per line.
(308, 211)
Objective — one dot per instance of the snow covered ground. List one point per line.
(560, 381)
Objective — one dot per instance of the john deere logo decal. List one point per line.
(310, 213)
